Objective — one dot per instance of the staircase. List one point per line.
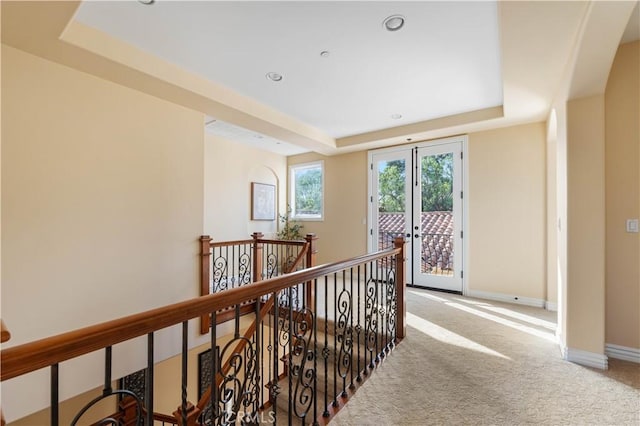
(314, 336)
(321, 382)
(299, 367)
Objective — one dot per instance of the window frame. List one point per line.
(292, 186)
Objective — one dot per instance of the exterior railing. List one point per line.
(437, 251)
(299, 361)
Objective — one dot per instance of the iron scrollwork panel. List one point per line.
(302, 363)
(344, 333)
(371, 315)
(239, 390)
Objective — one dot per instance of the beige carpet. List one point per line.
(473, 362)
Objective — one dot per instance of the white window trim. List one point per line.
(294, 167)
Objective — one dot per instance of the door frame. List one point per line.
(464, 140)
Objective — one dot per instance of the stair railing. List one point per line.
(354, 322)
(231, 264)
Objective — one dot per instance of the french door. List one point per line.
(416, 192)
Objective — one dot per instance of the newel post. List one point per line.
(193, 413)
(401, 285)
(205, 278)
(312, 251)
(256, 265)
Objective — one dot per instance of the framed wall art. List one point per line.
(263, 201)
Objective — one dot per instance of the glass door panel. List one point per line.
(390, 199)
(437, 217)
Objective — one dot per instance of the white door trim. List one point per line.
(465, 200)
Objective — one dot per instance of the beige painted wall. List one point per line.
(102, 190)
(552, 212)
(507, 211)
(343, 232)
(515, 230)
(585, 224)
(622, 174)
(229, 169)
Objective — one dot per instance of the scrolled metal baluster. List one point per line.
(325, 349)
(107, 392)
(351, 384)
(275, 387)
(383, 309)
(379, 310)
(214, 409)
(315, 352)
(392, 303)
(304, 375)
(359, 327)
(272, 265)
(290, 355)
(344, 337)
(335, 342)
(238, 388)
(371, 317)
(244, 269)
(220, 274)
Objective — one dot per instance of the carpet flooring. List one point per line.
(475, 362)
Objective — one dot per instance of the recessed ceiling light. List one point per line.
(396, 116)
(274, 76)
(393, 22)
(146, 1)
(324, 53)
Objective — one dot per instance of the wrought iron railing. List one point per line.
(231, 264)
(299, 361)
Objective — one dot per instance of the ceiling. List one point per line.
(454, 67)
(368, 77)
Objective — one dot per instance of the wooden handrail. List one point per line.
(5, 335)
(230, 243)
(32, 356)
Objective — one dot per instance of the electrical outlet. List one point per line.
(632, 225)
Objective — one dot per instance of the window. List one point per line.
(306, 186)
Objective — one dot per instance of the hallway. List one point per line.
(470, 361)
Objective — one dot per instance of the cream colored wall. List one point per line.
(343, 232)
(622, 174)
(585, 224)
(507, 211)
(552, 212)
(102, 190)
(229, 169)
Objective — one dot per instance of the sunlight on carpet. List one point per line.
(506, 322)
(445, 336)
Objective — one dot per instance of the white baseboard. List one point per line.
(551, 306)
(501, 297)
(589, 359)
(622, 352)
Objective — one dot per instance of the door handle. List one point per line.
(417, 235)
(408, 235)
